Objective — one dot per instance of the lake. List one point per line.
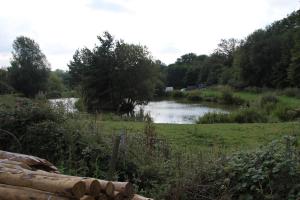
(176, 113)
(68, 103)
(161, 111)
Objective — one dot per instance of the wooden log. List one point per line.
(125, 188)
(64, 187)
(8, 192)
(117, 195)
(15, 164)
(31, 161)
(139, 197)
(102, 196)
(107, 187)
(87, 197)
(93, 186)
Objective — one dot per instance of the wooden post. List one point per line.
(114, 157)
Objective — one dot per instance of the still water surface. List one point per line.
(161, 111)
(176, 113)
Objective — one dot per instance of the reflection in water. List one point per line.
(161, 111)
(176, 113)
(67, 103)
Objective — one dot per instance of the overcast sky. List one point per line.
(169, 28)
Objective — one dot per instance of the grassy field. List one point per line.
(230, 137)
(250, 97)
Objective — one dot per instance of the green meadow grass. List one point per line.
(230, 137)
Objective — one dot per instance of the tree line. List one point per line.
(268, 57)
(117, 76)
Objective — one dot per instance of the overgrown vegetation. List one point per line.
(82, 146)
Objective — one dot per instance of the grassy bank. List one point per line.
(205, 136)
(215, 94)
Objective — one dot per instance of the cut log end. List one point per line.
(78, 190)
(110, 188)
(93, 187)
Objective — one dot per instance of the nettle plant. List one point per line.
(273, 172)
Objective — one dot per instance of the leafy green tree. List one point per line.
(226, 49)
(187, 59)
(29, 68)
(114, 76)
(294, 68)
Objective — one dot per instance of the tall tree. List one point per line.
(294, 68)
(29, 68)
(114, 76)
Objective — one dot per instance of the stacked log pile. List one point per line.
(25, 177)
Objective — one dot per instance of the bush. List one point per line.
(256, 90)
(291, 92)
(213, 117)
(248, 115)
(243, 115)
(271, 172)
(229, 99)
(54, 94)
(79, 105)
(268, 99)
(194, 96)
(177, 94)
(33, 127)
(286, 114)
(5, 88)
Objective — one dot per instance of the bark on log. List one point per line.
(15, 164)
(117, 195)
(102, 196)
(92, 186)
(8, 192)
(139, 197)
(125, 188)
(64, 187)
(107, 187)
(32, 161)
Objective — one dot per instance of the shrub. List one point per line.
(271, 172)
(54, 94)
(291, 92)
(268, 99)
(5, 88)
(194, 96)
(213, 117)
(177, 94)
(248, 115)
(243, 115)
(286, 114)
(229, 99)
(79, 105)
(35, 125)
(256, 90)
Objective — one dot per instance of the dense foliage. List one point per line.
(271, 172)
(266, 58)
(29, 68)
(78, 146)
(114, 76)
